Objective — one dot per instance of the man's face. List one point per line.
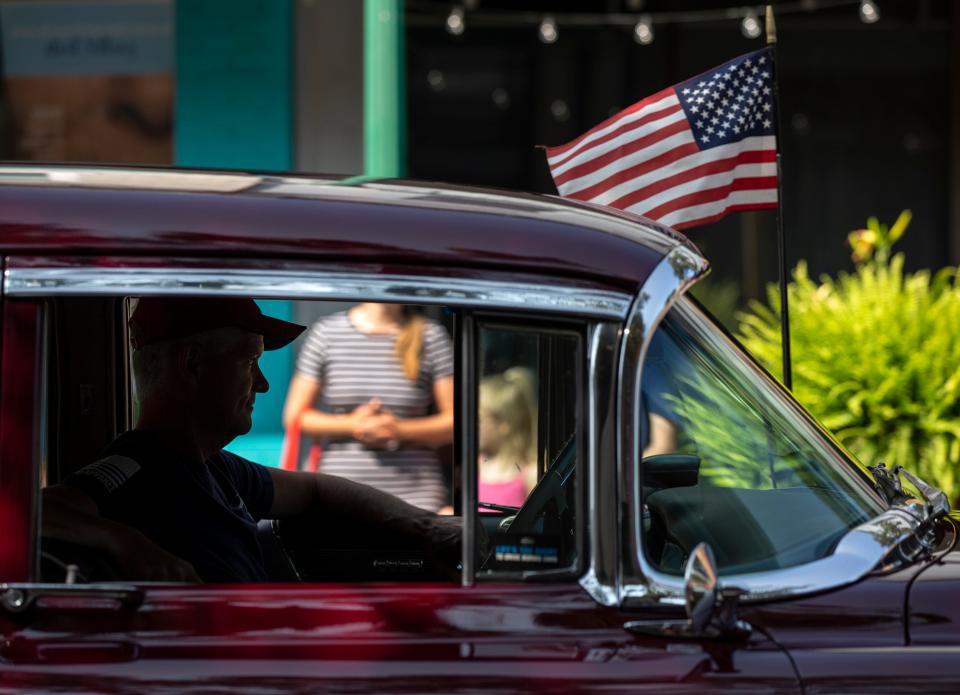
(230, 379)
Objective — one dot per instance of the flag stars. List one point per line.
(733, 102)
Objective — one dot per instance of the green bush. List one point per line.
(876, 355)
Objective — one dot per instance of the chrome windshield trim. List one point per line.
(288, 284)
(679, 269)
(858, 553)
(600, 578)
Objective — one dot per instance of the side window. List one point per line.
(359, 381)
(528, 405)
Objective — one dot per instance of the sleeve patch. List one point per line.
(111, 472)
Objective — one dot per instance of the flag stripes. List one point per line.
(683, 156)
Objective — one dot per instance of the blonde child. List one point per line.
(508, 437)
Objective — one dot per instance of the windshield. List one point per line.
(729, 460)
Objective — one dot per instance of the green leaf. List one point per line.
(876, 356)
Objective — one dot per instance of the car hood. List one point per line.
(934, 611)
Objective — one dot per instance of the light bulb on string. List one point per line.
(455, 23)
(643, 31)
(750, 26)
(548, 30)
(869, 12)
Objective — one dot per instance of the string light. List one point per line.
(643, 31)
(750, 26)
(455, 21)
(421, 13)
(548, 30)
(869, 12)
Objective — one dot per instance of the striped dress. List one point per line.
(354, 367)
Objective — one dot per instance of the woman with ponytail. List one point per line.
(375, 385)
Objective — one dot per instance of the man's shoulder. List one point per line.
(110, 472)
(126, 462)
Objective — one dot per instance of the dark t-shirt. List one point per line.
(205, 514)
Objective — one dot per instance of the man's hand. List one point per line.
(71, 516)
(139, 558)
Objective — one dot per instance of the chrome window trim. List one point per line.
(41, 424)
(859, 551)
(300, 284)
(600, 578)
(468, 435)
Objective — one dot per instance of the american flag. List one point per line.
(684, 156)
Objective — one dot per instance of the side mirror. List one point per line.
(711, 609)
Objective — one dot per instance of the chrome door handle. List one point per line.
(18, 598)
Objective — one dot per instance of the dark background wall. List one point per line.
(865, 114)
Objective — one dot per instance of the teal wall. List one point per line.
(234, 63)
(234, 110)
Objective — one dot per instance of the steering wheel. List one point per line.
(545, 508)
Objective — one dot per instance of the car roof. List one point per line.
(122, 211)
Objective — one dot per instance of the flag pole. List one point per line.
(771, 28)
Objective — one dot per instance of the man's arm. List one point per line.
(349, 502)
(70, 515)
(297, 493)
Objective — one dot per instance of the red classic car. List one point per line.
(748, 553)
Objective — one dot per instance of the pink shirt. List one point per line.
(511, 493)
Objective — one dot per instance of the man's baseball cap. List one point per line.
(156, 319)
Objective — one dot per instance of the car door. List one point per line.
(573, 363)
(502, 630)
